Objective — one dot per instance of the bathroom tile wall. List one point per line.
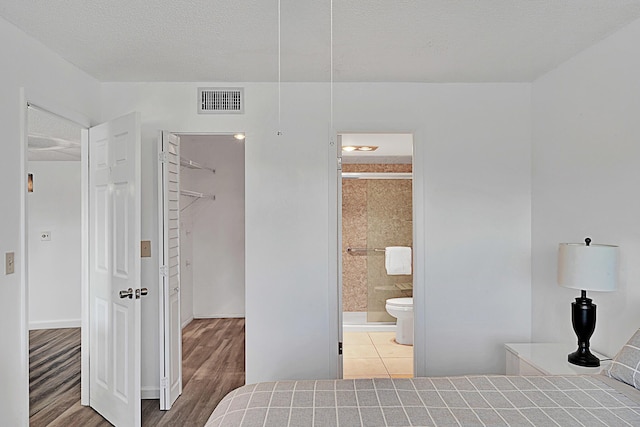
(354, 234)
(375, 213)
(389, 223)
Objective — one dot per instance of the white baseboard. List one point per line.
(55, 324)
(219, 316)
(149, 393)
(186, 322)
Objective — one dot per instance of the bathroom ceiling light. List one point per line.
(239, 136)
(360, 148)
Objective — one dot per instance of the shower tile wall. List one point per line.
(375, 214)
(354, 234)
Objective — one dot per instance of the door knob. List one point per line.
(127, 294)
(141, 292)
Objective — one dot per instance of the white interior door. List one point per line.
(114, 268)
(169, 250)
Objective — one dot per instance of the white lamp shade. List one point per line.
(592, 268)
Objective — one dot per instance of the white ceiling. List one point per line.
(389, 144)
(52, 138)
(374, 40)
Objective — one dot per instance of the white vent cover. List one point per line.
(220, 100)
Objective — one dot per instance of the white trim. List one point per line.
(162, 248)
(147, 392)
(186, 322)
(419, 250)
(334, 256)
(58, 110)
(218, 316)
(22, 262)
(84, 269)
(55, 324)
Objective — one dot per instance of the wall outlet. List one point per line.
(145, 248)
(45, 235)
(9, 263)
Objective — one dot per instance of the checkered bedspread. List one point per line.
(446, 401)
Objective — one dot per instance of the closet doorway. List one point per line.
(212, 212)
(203, 249)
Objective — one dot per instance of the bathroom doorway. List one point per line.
(377, 256)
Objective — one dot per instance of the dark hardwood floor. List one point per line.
(212, 365)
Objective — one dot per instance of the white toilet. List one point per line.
(402, 309)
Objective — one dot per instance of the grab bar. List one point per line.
(355, 250)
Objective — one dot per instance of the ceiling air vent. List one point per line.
(223, 100)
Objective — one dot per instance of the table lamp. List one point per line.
(589, 268)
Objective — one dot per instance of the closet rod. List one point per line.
(194, 165)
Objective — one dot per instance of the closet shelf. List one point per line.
(196, 196)
(194, 165)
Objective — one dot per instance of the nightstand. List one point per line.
(546, 359)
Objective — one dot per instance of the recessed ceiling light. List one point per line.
(360, 148)
(239, 136)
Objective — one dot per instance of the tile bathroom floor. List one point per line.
(376, 355)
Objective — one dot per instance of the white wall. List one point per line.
(54, 265)
(475, 145)
(473, 142)
(217, 259)
(46, 79)
(585, 183)
(186, 259)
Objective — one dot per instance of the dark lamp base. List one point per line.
(584, 358)
(583, 317)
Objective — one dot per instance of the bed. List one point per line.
(479, 400)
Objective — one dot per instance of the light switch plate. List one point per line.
(9, 263)
(145, 248)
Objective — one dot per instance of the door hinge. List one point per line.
(162, 157)
(339, 348)
(339, 163)
(164, 271)
(164, 382)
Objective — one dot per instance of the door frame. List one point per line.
(180, 134)
(28, 99)
(419, 243)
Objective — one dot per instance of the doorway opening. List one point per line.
(212, 218)
(202, 253)
(54, 260)
(377, 259)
